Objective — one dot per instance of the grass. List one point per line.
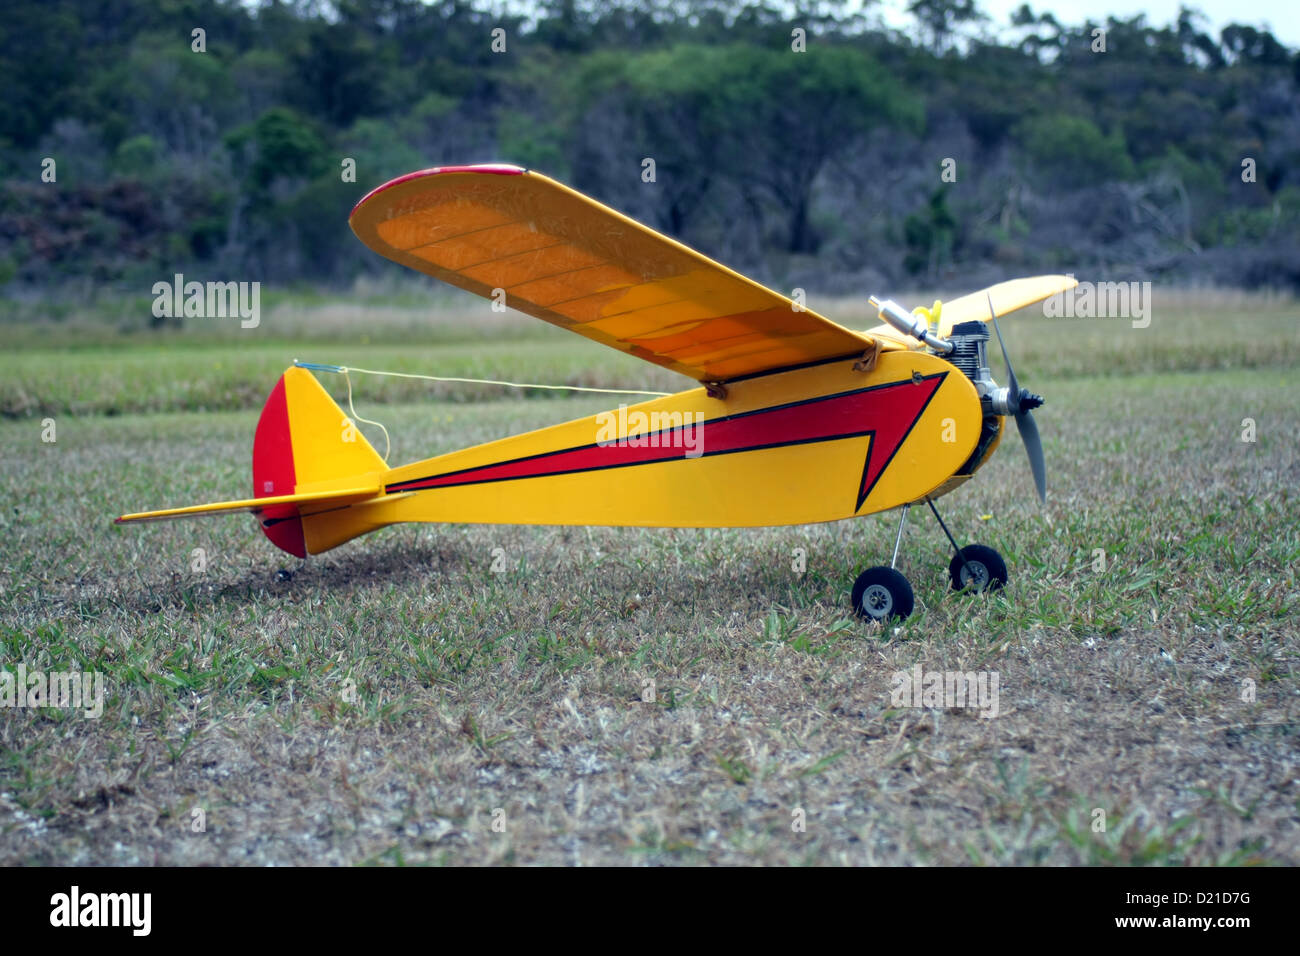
(85, 366)
(630, 696)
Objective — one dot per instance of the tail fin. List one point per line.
(305, 443)
(310, 466)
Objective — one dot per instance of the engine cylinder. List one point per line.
(969, 352)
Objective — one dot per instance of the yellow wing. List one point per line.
(567, 259)
(1007, 297)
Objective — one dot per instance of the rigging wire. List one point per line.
(345, 371)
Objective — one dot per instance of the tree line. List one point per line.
(814, 148)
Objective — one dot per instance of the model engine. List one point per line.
(970, 354)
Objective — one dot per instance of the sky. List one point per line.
(1282, 17)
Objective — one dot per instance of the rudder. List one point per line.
(306, 443)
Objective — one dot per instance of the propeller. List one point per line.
(1021, 402)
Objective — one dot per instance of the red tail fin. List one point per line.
(273, 473)
(305, 443)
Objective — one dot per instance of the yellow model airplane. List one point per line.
(797, 418)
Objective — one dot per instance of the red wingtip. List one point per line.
(493, 169)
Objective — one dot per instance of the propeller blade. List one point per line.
(1034, 446)
(1025, 423)
(1013, 397)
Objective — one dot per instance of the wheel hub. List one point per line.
(973, 572)
(877, 601)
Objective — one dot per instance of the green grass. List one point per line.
(89, 368)
(220, 378)
(380, 703)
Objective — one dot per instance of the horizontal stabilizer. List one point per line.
(344, 496)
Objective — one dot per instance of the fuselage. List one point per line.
(816, 443)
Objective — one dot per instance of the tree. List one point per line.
(788, 115)
(1253, 46)
(940, 18)
(1071, 152)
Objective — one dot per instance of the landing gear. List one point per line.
(977, 567)
(882, 592)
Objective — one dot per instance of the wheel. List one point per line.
(987, 571)
(881, 593)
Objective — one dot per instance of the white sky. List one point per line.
(1282, 17)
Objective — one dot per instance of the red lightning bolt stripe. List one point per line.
(887, 413)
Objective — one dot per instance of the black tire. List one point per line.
(881, 593)
(985, 564)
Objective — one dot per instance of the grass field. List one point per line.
(1146, 648)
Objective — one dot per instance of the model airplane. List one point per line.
(797, 419)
